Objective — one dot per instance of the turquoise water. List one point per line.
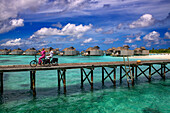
(144, 97)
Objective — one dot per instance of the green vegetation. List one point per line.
(160, 50)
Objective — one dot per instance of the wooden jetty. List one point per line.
(61, 70)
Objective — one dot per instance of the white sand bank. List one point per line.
(152, 57)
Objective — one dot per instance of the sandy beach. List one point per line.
(163, 56)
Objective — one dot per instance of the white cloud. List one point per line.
(7, 25)
(82, 44)
(167, 35)
(110, 40)
(11, 8)
(16, 42)
(144, 21)
(17, 23)
(119, 26)
(68, 30)
(57, 25)
(99, 30)
(152, 37)
(138, 38)
(88, 40)
(148, 44)
(134, 46)
(128, 40)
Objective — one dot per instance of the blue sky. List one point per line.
(84, 23)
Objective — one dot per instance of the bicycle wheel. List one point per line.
(54, 63)
(33, 63)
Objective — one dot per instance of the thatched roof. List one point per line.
(137, 49)
(31, 49)
(5, 50)
(110, 49)
(113, 48)
(119, 48)
(93, 48)
(143, 48)
(90, 49)
(17, 49)
(126, 46)
(69, 49)
(96, 47)
(57, 49)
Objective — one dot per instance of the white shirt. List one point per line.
(51, 53)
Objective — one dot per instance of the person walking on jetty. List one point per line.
(42, 56)
(51, 53)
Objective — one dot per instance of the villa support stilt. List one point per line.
(108, 75)
(62, 77)
(83, 72)
(1, 80)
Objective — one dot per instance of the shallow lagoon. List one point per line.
(144, 97)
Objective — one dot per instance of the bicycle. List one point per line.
(54, 62)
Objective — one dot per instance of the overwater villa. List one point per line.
(71, 51)
(110, 51)
(93, 51)
(16, 52)
(30, 51)
(4, 51)
(56, 51)
(123, 51)
(141, 51)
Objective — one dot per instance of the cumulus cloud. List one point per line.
(128, 40)
(88, 40)
(16, 42)
(144, 21)
(99, 30)
(59, 25)
(167, 35)
(138, 38)
(11, 8)
(134, 46)
(152, 37)
(110, 40)
(8, 25)
(68, 30)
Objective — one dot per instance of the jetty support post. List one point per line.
(136, 72)
(163, 71)
(133, 73)
(108, 75)
(150, 73)
(83, 72)
(120, 74)
(62, 77)
(32, 80)
(1, 80)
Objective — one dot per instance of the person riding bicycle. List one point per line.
(51, 54)
(42, 56)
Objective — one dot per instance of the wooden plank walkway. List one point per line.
(161, 69)
(12, 68)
